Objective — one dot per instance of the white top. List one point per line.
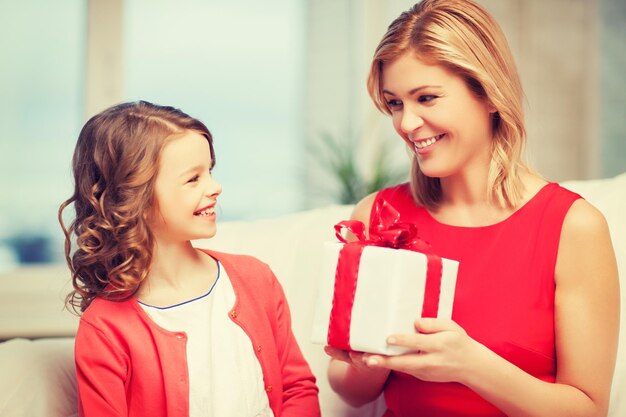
(225, 377)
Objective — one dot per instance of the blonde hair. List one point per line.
(464, 38)
(114, 166)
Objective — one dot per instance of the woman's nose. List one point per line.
(410, 121)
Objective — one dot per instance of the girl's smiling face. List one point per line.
(185, 193)
(443, 121)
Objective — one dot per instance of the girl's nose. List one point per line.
(214, 188)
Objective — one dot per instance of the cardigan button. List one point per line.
(233, 314)
(269, 388)
(258, 349)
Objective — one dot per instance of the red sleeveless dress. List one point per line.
(504, 296)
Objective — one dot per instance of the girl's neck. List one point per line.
(172, 261)
(178, 273)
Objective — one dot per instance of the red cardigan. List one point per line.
(126, 365)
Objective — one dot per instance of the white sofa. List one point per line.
(36, 376)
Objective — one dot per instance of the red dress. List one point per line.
(504, 296)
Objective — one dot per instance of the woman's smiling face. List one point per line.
(443, 121)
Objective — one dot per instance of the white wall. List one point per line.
(556, 47)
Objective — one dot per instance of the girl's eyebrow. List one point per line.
(414, 90)
(190, 170)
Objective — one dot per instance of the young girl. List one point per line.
(535, 322)
(169, 330)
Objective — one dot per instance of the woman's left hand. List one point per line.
(441, 352)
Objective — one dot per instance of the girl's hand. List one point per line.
(442, 352)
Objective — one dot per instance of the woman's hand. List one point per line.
(350, 357)
(441, 352)
(351, 377)
(354, 358)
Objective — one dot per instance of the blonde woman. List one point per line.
(535, 323)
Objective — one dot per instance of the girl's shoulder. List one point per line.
(104, 307)
(110, 317)
(244, 268)
(237, 261)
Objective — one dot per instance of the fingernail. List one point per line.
(391, 340)
(372, 361)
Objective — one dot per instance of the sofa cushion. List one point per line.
(38, 378)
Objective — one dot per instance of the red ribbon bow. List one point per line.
(387, 231)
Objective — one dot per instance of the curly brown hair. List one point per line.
(114, 166)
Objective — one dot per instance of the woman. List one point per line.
(535, 323)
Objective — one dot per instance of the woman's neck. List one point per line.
(467, 201)
(468, 188)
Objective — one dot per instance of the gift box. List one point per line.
(371, 289)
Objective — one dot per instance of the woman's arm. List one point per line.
(348, 374)
(352, 379)
(587, 327)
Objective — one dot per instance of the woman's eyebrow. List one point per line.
(414, 90)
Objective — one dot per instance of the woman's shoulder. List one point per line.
(546, 198)
(583, 220)
(586, 258)
(363, 208)
(396, 194)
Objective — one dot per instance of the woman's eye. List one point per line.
(195, 178)
(426, 98)
(394, 104)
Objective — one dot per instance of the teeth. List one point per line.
(205, 212)
(427, 142)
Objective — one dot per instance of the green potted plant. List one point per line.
(338, 157)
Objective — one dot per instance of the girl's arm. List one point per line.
(586, 323)
(100, 374)
(300, 393)
(347, 373)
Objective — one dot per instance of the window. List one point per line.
(237, 67)
(41, 79)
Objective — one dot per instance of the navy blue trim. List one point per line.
(193, 299)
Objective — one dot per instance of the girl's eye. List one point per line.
(195, 178)
(427, 98)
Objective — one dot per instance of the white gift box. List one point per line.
(389, 296)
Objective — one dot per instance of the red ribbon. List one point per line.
(387, 231)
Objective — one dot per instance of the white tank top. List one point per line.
(225, 376)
